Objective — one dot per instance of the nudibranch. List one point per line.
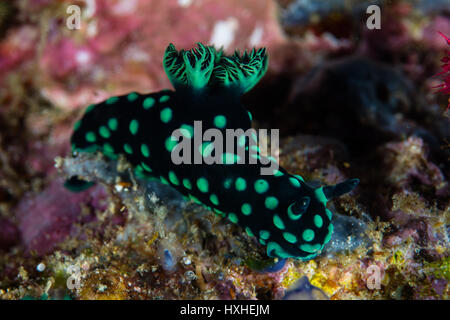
(283, 212)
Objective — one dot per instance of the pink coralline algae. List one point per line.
(49, 217)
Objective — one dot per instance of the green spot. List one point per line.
(291, 213)
(134, 126)
(320, 195)
(250, 115)
(278, 222)
(90, 136)
(310, 248)
(230, 158)
(173, 178)
(164, 98)
(108, 151)
(262, 241)
(277, 173)
(289, 237)
(164, 180)
(318, 221)
(112, 124)
(132, 96)
(274, 250)
(328, 213)
(127, 148)
(294, 182)
(195, 199)
(214, 200)
(219, 212)
(271, 203)
(330, 232)
(77, 125)
(249, 232)
(187, 184)
(227, 183)
(202, 185)
(246, 209)
(166, 115)
(233, 218)
(299, 177)
(104, 132)
(308, 235)
(112, 100)
(240, 184)
(241, 140)
(261, 186)
(187, 131)
(146, 167)
(108, 148)
(170, 143)
(90, 108)
(220, 121)
(206, 148)
(145, 151)
(264, 234)
(148, 103)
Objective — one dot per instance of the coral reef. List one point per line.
(349, 102)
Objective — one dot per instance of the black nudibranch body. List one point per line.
(280, 210)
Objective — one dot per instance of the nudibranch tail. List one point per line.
(339, 189)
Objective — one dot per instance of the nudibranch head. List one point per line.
(305, 227)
